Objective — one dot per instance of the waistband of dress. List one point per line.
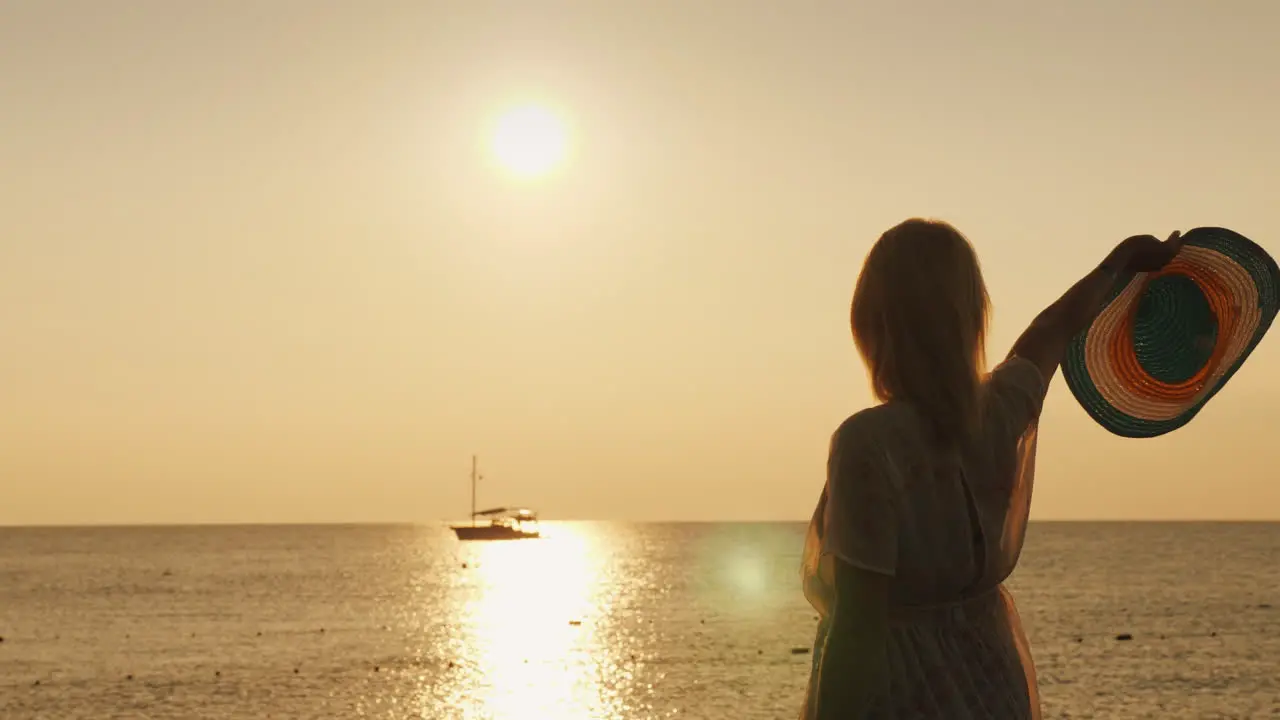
(964, 610)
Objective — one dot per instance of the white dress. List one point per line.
(949, 530)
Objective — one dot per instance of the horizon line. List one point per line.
(446, 523)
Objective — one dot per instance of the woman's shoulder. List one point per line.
(1015, 392)
(879, 445)
(887, 426)
(1017, 372)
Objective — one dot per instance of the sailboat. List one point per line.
(496, 523)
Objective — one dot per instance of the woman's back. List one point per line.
(948, 526)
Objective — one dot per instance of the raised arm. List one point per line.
(1045, 341)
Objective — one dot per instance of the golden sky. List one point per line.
(256, 264)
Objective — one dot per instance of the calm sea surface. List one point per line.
(594, 621)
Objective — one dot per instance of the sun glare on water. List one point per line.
(529, 142)
(539, 631)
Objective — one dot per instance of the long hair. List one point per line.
(919, 320)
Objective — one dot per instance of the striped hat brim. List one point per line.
(1167, 342)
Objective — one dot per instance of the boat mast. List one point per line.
(473, 489)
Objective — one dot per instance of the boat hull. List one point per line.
(492, 532)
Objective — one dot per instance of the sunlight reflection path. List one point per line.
(531, 622)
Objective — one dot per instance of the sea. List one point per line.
(595, 620)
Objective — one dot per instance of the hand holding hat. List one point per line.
(1183, 317)
(1146, 253)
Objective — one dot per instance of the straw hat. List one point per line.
(1168, 341)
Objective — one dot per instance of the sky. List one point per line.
(257, 263)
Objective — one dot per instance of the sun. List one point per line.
(529, 142)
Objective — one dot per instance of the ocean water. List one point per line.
(593, 621)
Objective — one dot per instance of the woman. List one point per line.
(925, 506)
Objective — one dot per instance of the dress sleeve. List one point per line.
(1017, 391)
(860, 520)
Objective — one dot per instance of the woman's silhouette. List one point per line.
(925, 507)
